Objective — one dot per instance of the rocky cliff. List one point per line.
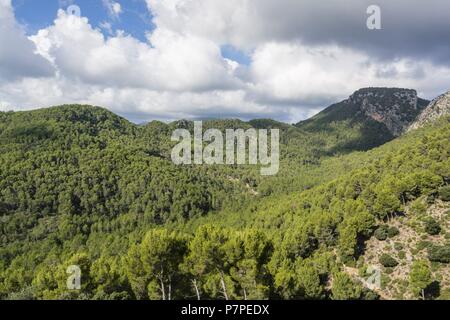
(437, 108)
(395, 108)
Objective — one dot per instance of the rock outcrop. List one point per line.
(437, 108)
(396, 108)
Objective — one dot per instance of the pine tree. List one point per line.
(419, 278)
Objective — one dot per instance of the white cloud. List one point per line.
(117, 8)
(180, 73)
(106, 26)
(114, 8)
(295, 73)
(172, 62)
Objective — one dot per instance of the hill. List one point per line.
(82, 186)
(372, 115)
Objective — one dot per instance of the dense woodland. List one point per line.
(82, 186)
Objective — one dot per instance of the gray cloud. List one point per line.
(410, 28)
(17, 57)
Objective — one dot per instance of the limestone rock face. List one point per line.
(437, 108)
(396, 108)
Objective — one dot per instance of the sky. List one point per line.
(196, 59)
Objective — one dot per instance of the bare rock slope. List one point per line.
(437, 108)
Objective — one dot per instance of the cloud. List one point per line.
(113, 8)
(106, 26)
(172, 61)
(17, 57)
(302, 56)
(295, 74)
(411, 28)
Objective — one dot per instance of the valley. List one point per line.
(363, 183)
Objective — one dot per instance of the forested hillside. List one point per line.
(82, 186)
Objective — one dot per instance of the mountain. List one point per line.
(439, 107)
(82, 186)
(379, 114)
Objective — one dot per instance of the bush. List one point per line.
(382, 233)
(439, 254)
(388, 270)
(418, 207)
(368, 294)
(444, 193)
(392, 232)
(398, 246)
(423, 244)
(432, 227)
(445, 295)
(387, 261)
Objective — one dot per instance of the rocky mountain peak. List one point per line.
(437, 108)
(395, 108)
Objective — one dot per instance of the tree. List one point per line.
(308, 281)
(347, 242)
(209, 260)
(386, 202)
(45, 281)
(298, 242)
(109, 278)
(357, 225)
(136, 274)
(160, 255)
(344, 288)
(250, 271)
(419, 278)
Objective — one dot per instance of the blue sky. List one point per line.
(135, 18)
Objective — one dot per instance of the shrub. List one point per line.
(368, 294)
(388, 270)
(444, 193)
(392, 232)
(385, 281)
(381, 233)
(362, 271)
(439, 253)
(418, 207)
(402, 255)
(445, 295)
(398, 246)
(387, 261)
(432, 227)
(423, 244)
